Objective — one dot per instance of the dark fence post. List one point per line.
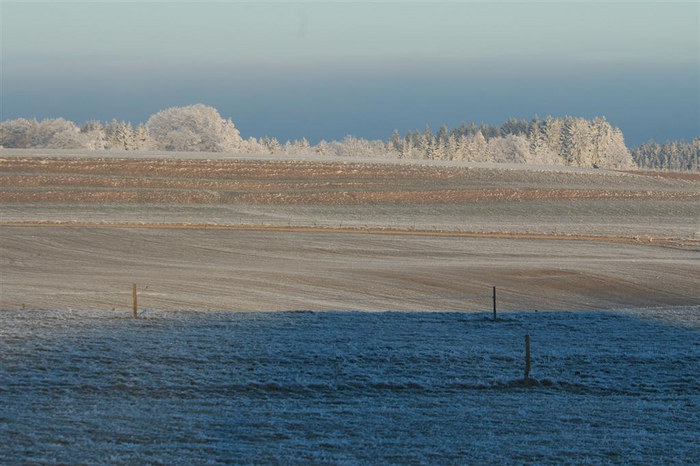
(136, 315)
(494, 303)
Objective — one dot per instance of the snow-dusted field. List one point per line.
(192, 387)
(249, 270)
(82, 382)
(63, 186)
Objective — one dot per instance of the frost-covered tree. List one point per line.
(251, 146)
(322, 148)
(271, 145)
(451, 147)
(68, 140)
(537, 139)
(110, 134)
(577, 142)
(119, 135)
(298, 147)
(440, 143)
(17, 133)
(396, 142)
(515, 127)
(569, 140)
(94, 134)
(57, 133)
(478, 148)
(53, 133)
(352, 146)
(553, 130)
(511, 148)
(141, 139)
(616, 154)
(193, 128)
(648, 155)
(302, 146)
(349, 146)
(672, 155)
(407, 148)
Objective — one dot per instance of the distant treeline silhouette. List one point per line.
(550, 141)
(672, 155)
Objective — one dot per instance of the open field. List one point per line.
(92, 387)
(353, 193)
(268, 234)
(248, 270)
(613, 382)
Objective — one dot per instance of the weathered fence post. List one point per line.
(136, 315)
(527, 357)
(494, 303)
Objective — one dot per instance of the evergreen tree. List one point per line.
(141, 138)
(395, 141)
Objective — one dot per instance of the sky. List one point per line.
(322, 70)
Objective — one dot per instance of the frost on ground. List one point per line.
(60, 186)
(344, 387)
(176, 269)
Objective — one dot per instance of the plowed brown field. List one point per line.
(299, 182)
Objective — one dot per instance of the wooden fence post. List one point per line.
(527, 357)
(136, 315)
(494, 303)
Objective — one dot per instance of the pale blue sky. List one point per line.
(325, 69)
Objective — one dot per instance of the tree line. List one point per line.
(550, 141)
(672, 155)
